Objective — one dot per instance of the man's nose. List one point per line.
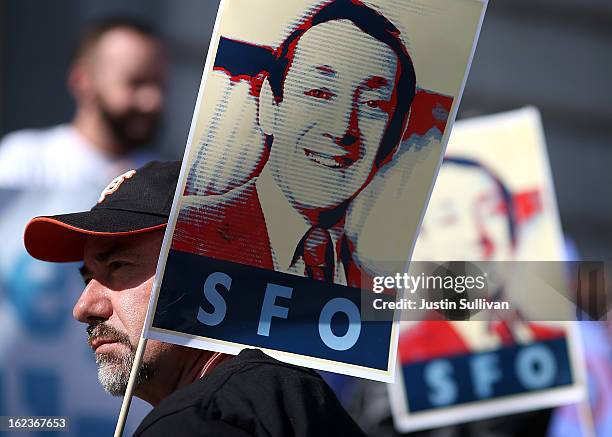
(93, 304)
(150, 98)
(487, 247)
(343, 126)
(476, 233)
(468, 235)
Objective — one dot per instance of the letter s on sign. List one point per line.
(439, 376)
(214, 297)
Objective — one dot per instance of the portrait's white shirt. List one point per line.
(58, 158)
(286, 227)
(478, 334)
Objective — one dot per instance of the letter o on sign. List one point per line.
(536, 367)
(348, 340)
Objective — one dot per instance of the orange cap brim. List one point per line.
(49, 239)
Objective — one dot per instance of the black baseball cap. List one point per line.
(135, 202)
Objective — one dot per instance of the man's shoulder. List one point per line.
(234, 214)
(238, 198)
(258, 395)
(34, 139)
(257, 368)
(249, 368)
(26, 155)
(223, 226)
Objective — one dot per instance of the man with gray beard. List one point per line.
(114, 370)
(193, 391)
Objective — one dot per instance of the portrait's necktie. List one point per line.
(317, 251)
(503, 330)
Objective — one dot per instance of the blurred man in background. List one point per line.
(116, 78)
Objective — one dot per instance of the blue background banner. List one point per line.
(296, 310)
(483, 376)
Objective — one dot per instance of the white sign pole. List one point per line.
(127, 397)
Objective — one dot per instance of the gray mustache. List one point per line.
(102, 330)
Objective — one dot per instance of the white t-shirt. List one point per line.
(58, 158)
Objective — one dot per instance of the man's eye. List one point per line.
(320, 94)
(116, 265)
(377, 104)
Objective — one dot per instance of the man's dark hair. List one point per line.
(503, 190)
(379, 27)
(91, 34)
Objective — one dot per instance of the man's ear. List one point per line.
(267, 108)
(80, 81)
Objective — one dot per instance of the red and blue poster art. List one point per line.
(493, 201)
(314, 144)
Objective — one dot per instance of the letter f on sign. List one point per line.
(269, 308)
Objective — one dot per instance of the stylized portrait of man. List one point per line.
(333, 108)
(471, 216)
(473, 208)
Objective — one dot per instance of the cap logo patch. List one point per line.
(115, 184)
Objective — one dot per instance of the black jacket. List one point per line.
(251, 395)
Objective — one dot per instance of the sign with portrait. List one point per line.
(316, 136)
(493, 201)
